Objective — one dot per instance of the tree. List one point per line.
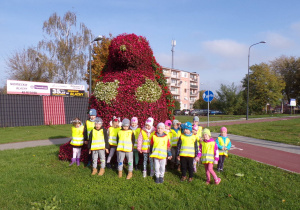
(230, 100)
(30, 65)
(289, 69)
(66, 46)
(177, 105)
(265, 87)
(100, 54)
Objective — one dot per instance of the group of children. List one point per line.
(183, 144)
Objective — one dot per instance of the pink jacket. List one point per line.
(140, 140)
(216, 151)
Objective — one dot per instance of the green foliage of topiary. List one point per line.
(106, 91)
(149, 92)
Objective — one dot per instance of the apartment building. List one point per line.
(183, 85)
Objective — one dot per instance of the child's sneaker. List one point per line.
(183, 178)
(152, 173)
(157, 180)
(108, 165)
(218, 181)
(161, 179)
(144, 174)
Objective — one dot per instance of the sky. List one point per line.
(212, 36)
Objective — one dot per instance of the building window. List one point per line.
(173, 81)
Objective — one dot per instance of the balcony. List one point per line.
(194, 86)
(194, 79)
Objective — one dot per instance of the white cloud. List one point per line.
(226, 48)
(278, 41)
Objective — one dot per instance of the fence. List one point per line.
(25, 110)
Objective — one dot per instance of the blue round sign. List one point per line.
(208, 96)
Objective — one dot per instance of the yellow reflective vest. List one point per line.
(77, 136)
(136, 135)
(175, 137)
(160, 147)
(221, 143)
(98, 141)
(89, 127)
(112, 135)
(146, 140)
(208, 152)
(125, 141)
(187, 148)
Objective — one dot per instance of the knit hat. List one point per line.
(161, 125)
(224, 129)
(195, 127)
(134, 119)
(206, 131)
(188, 126)
(196, 119)
(126, 122)
(116, 118)
(93, 112)
(175, 122)
(98, 120)
(150, 121)
(76, 120)
(168, 123)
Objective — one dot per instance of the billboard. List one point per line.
(42, 88)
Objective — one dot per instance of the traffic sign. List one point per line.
(208, 96)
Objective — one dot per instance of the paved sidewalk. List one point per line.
(20, 145)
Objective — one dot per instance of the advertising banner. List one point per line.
(39, 88)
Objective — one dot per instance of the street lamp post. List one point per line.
(98, 38)
(261, 42)
(173, 45)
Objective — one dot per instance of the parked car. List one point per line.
(185, 112)
(177, 112)
(215, 112)
(198, 112)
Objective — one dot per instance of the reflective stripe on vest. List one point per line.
(175, 137)
(112, 135)
(77, 136)
(221, 143)
(208, 150)
(98, 140)
(89, 126)
(160, 146)
(187, 146)
(125, 141)
(136, 135)
(146, 140)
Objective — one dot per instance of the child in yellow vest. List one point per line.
(89, 125)
(196, 122)
(176, 133)
(136, 130)
(209, 154)
(77, 140)
(160, 149)
(125, 142)
(195, 134)
(112, 138)
(98, 145)
(224, 144)
(144, 145)
(167, 131)
(187, 149)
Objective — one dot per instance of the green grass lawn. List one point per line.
(30, 133)
(284, 131)
(32, 177)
